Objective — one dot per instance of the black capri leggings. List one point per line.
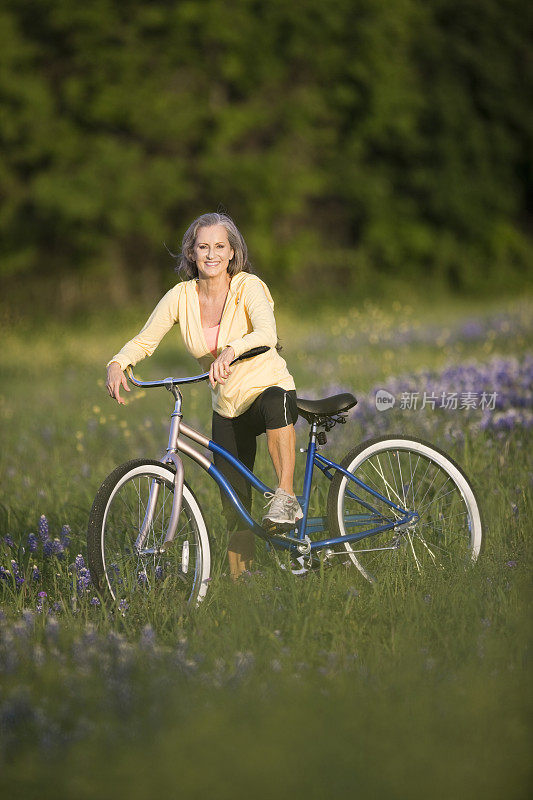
(274, 408)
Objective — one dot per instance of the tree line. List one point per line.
(354, 142)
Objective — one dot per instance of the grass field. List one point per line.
(315, 686)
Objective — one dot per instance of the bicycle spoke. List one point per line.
(410, 540)
(388, 487)
(401, 476)
(130, 570)
(423, 480)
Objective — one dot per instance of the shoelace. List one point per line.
(270, 496)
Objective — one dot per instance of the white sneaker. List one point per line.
(284, 510)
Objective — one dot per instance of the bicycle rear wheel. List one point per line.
(117, 567)
(419, 477)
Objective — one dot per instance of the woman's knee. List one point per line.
(278, 407)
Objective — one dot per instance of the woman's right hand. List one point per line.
(116, 379)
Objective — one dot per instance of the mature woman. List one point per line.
(224, 311)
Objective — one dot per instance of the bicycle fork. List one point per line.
(171, 457)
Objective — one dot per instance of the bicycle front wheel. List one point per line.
(419, 477)
(127, 504)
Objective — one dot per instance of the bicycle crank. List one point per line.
(303, 545)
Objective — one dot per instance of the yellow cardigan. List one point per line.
(247, 321)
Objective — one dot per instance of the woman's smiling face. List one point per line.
(212, 251)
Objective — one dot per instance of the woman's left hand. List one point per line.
(220, 368)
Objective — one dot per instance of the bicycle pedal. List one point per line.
(277, 528)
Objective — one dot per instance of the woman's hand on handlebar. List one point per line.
(116, 379)
(220, 369)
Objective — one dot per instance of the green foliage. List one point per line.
(374, 138)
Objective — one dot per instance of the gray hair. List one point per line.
(239, 263)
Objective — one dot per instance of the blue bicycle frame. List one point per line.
(300, 543)
(307, 525)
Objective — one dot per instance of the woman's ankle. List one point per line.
(241, 547)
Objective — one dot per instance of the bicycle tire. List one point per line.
(114, 524)
(449, 528)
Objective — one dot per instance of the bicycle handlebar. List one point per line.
(168, 382)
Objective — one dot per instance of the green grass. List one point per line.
(326, 685)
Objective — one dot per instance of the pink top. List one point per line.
(211, 338)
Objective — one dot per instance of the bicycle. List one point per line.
(391, 498)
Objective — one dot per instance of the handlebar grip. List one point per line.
(255, 351)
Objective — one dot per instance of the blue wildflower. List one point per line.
(43, 528)
(5, 574)
(35, 574)
(53, 547)
(142, 577)
(79, 562)
(32, 542)
(65, 536)
(95, 601)
(84, 580)
(123, 606)
(41, 597)
(9, 541)
(19, 580)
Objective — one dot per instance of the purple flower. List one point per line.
(65, 536)
(5, 574)
(123, 606)
(79, 562)
(512, 564)
(84, 580)
(32, 542)
(42, 594)
(53, 547)
(9, 541)
(43, 528)
(142, 577)
(95, 601)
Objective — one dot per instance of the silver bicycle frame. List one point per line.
(170, 457)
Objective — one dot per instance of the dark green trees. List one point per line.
(368, 137)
